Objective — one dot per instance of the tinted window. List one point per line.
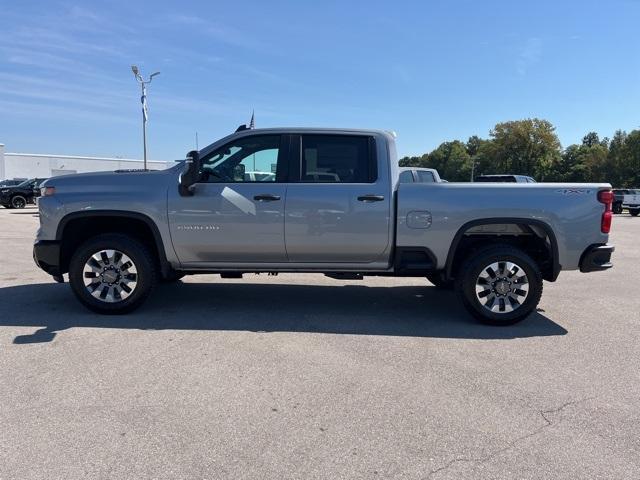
(425, 177)
(248, 159)
(406, 177)
(336, 159)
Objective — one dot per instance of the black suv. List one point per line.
(18, 196)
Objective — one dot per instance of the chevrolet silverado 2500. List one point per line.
(333, 205)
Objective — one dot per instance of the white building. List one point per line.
(30, 165)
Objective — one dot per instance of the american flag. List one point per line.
(143, 99)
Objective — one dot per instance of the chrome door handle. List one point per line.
(371, 198)
(266, 197)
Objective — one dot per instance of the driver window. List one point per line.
(248, 159)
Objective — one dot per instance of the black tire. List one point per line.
(478, 263)
(634, 212)
(142, 259)
(438, 280)
(617, 207)
(18, 201)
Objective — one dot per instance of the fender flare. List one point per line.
(518, 220)
(157, 238)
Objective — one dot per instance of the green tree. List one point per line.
(591, 139)
(582, 163)
(630, 165)
(409, 162)
(525, 147)
(452, 161)
(616, 160)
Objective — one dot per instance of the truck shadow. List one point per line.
(412, 311)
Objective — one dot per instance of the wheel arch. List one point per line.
(453, 255)
(84, 225)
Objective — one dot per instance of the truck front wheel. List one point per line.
(499, 285)
(634, 212)
(112, 274)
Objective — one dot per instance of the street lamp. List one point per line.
(143, 84)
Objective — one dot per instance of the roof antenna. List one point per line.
(252, 124)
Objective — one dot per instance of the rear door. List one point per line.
(338, 207)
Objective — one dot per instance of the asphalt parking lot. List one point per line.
(302, 376)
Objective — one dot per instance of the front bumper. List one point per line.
(46, 254)
(596, 258)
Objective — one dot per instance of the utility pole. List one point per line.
(143, 99)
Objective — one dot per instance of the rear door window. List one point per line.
(425, 177)
(406, 176)
(337, 159)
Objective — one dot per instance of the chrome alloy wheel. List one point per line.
(502, 287)
(110, 276)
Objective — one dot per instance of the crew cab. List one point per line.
(335, 206)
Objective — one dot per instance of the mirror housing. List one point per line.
(190, 174)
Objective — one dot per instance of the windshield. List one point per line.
(25, 183)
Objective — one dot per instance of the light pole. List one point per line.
(143, 84)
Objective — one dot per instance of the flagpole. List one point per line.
(143, 99)
(144, 127)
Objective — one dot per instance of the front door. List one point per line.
(237, 211)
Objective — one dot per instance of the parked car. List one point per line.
(118, 234)
(419, 175)
(505, 179)
(18, 196)
(631, 201)
(259, 177)
(618, 194)
(11, 182)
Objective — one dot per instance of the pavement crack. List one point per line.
(545, 414)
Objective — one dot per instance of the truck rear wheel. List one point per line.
(634, 211)
(112, 274)
(499, 285)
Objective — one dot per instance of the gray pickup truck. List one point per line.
(333, 205)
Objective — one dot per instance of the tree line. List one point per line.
(531, 147)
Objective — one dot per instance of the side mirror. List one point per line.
(190, 175)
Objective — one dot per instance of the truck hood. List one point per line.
(113, 180)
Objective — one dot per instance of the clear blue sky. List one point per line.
(431, 71)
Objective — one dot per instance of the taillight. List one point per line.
(47, 191)
(606, 197)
